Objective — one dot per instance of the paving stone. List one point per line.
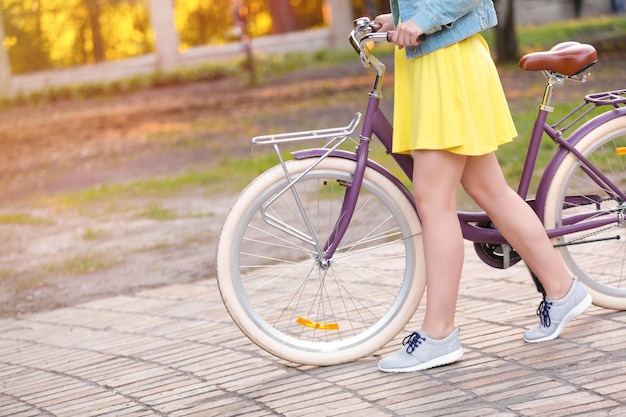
(174, 351)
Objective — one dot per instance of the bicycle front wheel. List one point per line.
(597, 256)
(294, 306)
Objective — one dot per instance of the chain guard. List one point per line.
(493, 253)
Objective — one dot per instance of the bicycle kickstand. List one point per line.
(537, 282)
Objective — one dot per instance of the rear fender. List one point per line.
(562, 153)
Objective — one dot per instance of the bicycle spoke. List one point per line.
(297, 299)
(597, 255)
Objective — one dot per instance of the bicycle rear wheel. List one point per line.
(279, 295)
(597, 256)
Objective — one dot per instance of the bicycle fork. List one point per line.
(374, 119)
(347, 209)
(375, 123)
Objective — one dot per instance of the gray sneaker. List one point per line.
(422, 352)
(555, 314)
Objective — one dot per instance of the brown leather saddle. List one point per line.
(566, 58)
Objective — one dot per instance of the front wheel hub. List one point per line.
(323, 262)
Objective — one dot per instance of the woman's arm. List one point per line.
(433, 15)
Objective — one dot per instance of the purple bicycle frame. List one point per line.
(472, 223)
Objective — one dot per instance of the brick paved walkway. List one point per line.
(174, 351)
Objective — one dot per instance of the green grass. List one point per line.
(583, 30)
(281, 64)
(155, 246)
(22, 218)
(5, 273)
(594, 29)
(27, 282)
(81, 264)
(207, 72)
(93, 234)
(156, 212)
(231, 173)
(148, 187)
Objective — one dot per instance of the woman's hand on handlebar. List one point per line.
(406, 34)
(384, 23)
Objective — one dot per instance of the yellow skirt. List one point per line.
(450, 99)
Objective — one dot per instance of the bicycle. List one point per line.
(320, 260)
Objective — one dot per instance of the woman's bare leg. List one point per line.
(484, 182)
(436, 178)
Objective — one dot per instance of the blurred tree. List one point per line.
(578, 8)
(283, 16)
(126, 28)
(59, 33)
(308, 13)
(23, 36)
(202, 22)
(5, 64)
(93, 8)
(506, 39)
(371, 8)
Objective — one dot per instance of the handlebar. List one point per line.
(364, 32)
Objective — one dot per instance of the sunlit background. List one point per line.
(49, 34)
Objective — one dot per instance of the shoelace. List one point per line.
(412, 341)
(543, 311)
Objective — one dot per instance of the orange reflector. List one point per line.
(620, 151)
(316, 324)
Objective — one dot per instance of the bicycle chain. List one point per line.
(596, 232)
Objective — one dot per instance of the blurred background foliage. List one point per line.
(202, 22)
(48, 34)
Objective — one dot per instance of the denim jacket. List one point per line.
(444, 22)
